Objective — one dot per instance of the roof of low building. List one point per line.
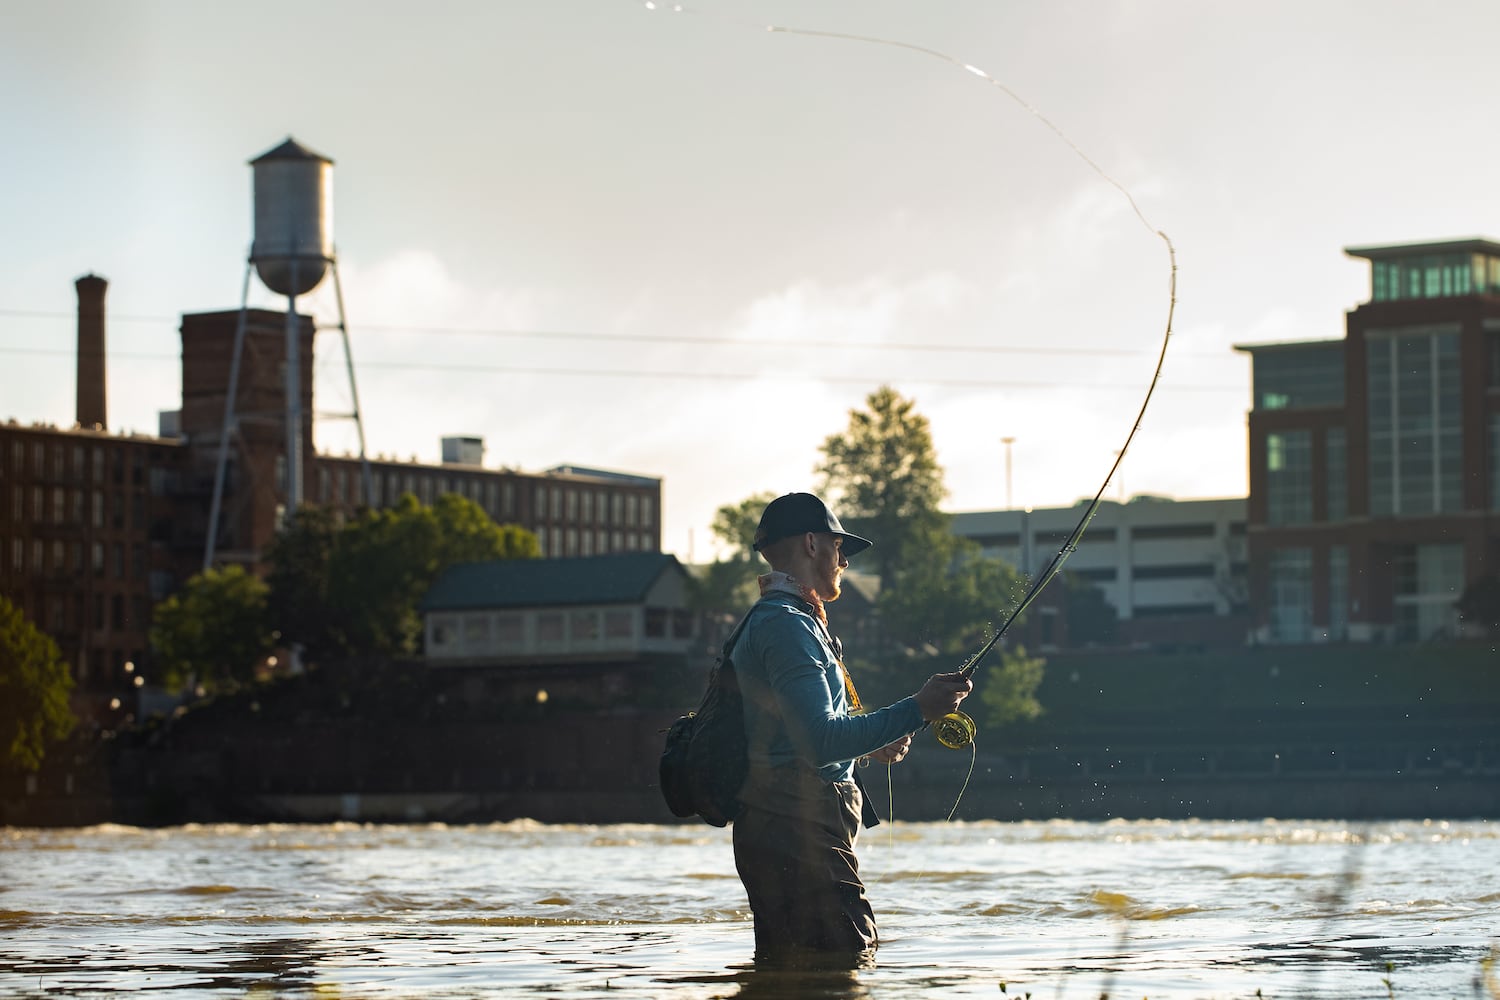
(624, 578)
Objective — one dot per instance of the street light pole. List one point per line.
(1008, 441)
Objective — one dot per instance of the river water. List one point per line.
(987, 909)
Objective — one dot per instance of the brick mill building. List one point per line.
(96, 527)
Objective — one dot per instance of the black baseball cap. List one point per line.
(796, 513)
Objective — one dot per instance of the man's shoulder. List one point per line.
(780, 606)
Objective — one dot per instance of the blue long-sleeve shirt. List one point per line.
(795, 704)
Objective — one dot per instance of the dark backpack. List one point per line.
(703, 760)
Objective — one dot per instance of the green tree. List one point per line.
(214, 631)
(883, 477)
(354, 590)
(938, 592)
(1091, 618)
(948, 597)
(34, 688)
(298, 602)
(1008, 688)
(728, 584)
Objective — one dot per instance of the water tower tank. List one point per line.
(293, 218)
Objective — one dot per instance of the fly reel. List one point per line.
(955, 730)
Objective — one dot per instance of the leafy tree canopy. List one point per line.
(34, 688)
(938, 592)
(354, 590)
(1008, 688)
(884, 480)
(214, 632)
(728, 585)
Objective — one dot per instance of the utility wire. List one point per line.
(680, 340)
(696, 375)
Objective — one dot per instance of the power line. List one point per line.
(472, 369)
(683, 340)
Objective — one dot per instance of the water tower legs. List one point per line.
(234, 379)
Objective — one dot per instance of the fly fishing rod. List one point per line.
(956, 730)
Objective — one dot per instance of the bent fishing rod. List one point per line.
(956, 730)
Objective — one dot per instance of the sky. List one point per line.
(674, 243)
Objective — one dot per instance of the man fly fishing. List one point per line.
(802, 803)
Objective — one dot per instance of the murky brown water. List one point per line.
(1060, 909)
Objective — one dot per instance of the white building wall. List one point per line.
(1162, 554)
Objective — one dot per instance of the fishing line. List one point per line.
(957, 730)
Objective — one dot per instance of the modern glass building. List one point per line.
(1375, 459)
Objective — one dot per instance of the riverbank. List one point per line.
(1121, 739)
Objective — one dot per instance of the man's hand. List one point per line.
(941, 695)
(892, 752)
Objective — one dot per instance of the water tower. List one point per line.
(292, 251)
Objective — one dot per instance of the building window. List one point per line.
(549, 627)
(98, 558)
(510, 629)
(585, 626)
(476, 631)
(1306, 376)
(37, 566)
(1416, 431)
(586, 543)
(619, 625)
(444, 631)
(1433, 276)
(17, 555)
(1338, 591)
(657, 620)
(1291, 594)
(1336, 473)
(1428, 580)
(587, 514)
(633, 510)
(570, 547)
(1495, 461)
(1289, 477)
(648, 511)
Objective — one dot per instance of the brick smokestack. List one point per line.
(91, 411)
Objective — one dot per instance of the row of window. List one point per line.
(1147, 532)
(1426, 581)
(62, 506)
(60, 615)
(1179, 571)
(1310, 375)
(39, 557)
(78, 461)
(342, 486)
(569, 542)
(1434, 276)
(519, 631)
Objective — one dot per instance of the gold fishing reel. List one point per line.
(955, 730)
